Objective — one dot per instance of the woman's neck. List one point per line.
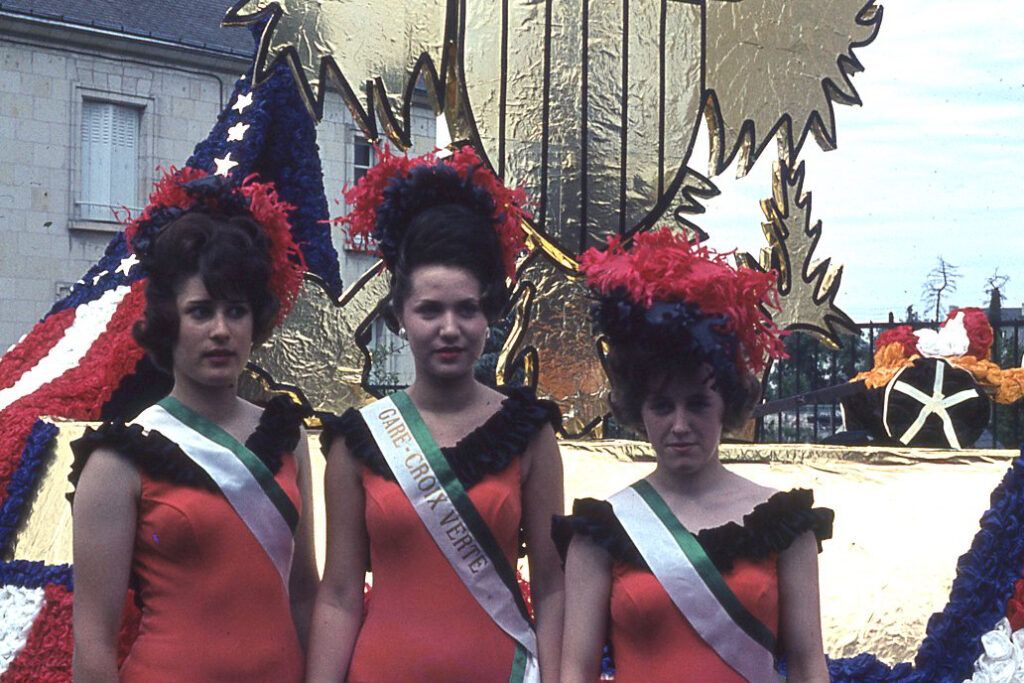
(433, 395)
(220, 405)
(709, 479)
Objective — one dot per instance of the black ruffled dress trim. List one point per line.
(488, 449)
(277, 433)
(769, 528)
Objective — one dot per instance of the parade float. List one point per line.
(599, 132)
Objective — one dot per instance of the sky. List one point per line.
(926, 168)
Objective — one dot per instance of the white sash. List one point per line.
(439, 499)
(234, 479)
(689, 590)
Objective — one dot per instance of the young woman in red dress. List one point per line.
(693, 573)
(430, 488)
(200, 503)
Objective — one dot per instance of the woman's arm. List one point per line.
(800, 612)
(588, 580)
(104, 522)
(338, 612)
(303, 580)
(543, 497)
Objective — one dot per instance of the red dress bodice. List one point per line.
(652, 640)
(422, 623)
(214, 607)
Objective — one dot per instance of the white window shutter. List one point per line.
(110, 153)
(124, 153)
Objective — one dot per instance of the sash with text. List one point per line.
(442, 504)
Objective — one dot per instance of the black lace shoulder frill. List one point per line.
(277, 433)
(488, 449)
(769, 528)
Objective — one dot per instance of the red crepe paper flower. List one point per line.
(266, 207)
(979, 331)
(901, 334)
(663, 265)
(368, 194)
(1015, 608)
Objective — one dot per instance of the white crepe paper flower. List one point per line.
(1003, 657)
(18, 609)
(949, 340)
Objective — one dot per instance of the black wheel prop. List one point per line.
(934, 404)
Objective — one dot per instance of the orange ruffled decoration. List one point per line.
(663, 265)
(890, 358)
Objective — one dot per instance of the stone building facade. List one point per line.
(94, 97)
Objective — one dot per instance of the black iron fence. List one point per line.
(812, 366)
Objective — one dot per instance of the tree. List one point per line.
(941, 281)
(994, 285)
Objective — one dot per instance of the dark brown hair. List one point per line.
(633, 368)
(452, 235)
(230, 255)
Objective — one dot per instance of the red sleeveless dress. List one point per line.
(213, 606)
(422, 624)
(650, 639)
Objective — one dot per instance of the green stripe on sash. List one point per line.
(518, 665)
(256, 467)
(693, 550)
(459, 498)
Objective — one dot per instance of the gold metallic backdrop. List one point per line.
(551, 313)
(775, 63)
(593, 107)
(903, 517)
(349, 43)
(807, 284)
(319, 352)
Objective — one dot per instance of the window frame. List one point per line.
(145, 152)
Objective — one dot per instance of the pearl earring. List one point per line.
(403, 334)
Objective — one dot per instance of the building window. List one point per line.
(363, 159)
(110, 160)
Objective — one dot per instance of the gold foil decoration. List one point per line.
(807, 286)
(775, 65)
(364, 48)
(46, 532)
(319, 352)
(552, 314)
(593, 107)
(883, 573)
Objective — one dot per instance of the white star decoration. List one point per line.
(99, 276)
(237, 132)
(242, 102)
(224, 165)
(127, 264)
(935, 403)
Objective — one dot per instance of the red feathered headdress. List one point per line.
(397, 187)
(664, 266)
(260, 200)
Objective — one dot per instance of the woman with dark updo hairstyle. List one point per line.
(201, 504)
(686, 336)
(431, 487)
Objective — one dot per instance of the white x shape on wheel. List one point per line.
(934, 404)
